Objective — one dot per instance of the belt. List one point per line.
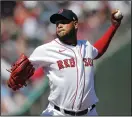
(73, 113)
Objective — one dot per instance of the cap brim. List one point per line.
(57, 17)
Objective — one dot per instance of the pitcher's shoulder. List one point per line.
(85, 42)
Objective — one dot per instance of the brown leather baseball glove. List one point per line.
(20, 71)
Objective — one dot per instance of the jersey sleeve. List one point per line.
(39, 57)
(94, 51)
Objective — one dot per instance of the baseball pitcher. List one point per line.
(68, 63)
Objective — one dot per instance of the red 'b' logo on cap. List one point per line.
(60, 11)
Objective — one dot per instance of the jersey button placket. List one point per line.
(83, 68)
(79, 65)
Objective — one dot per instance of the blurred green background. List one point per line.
(113, 83)
(25, 25)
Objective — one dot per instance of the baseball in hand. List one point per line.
(118, 15)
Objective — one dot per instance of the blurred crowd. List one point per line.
(25, 25)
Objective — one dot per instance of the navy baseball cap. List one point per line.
(63, 13)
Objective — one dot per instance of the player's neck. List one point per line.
(72, 42)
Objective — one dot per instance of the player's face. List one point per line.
(64, 27)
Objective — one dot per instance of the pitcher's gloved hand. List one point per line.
(20, 71)
(116, 21)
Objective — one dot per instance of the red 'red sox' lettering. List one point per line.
(88, 61)
(71, 63)
(60, 64)
(66, 63)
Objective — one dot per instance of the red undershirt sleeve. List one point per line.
(102, 44)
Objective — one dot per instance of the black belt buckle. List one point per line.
(73, 113)
(70, 112)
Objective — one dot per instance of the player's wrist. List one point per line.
(115, 25)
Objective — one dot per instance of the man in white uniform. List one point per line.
(68, 63)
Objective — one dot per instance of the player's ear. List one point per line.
(76, 24)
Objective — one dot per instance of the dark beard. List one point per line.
(68, 38)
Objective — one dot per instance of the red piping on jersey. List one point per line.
(102, 44)
(84, 79)
(77, 73)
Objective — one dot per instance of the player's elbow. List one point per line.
(100, 53)
(98, 56)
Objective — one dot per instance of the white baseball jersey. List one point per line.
(70, 71)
